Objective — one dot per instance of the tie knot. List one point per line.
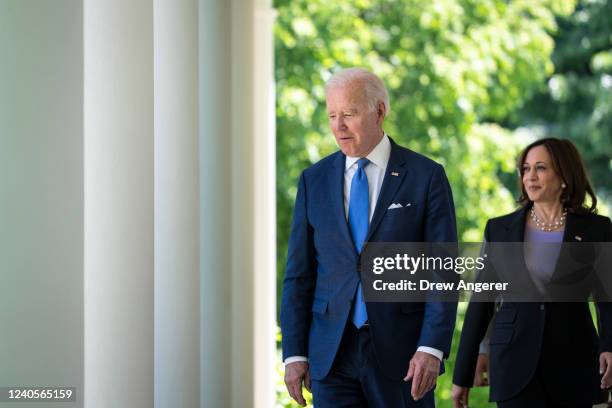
(361, 163)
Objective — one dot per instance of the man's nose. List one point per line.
(340, 123)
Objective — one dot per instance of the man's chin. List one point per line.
(350, 152)
(348, 149)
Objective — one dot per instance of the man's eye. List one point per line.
(348, 115)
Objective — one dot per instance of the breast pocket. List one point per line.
(400, 219)
(401, 215)
(395, 210)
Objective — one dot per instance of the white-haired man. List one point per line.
(352, 353)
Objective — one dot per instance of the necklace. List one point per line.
(545, 226)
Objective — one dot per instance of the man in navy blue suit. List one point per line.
(352, 353)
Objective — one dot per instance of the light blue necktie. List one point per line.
(359, 215)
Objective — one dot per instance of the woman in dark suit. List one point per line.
(542, 354)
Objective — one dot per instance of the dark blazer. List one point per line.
(557, 338)
(322, 265)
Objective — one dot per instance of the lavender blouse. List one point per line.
(541, 256)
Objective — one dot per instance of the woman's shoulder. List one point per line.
(597, 228)
(507, 219)
(592, 219)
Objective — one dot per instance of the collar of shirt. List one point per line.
(379, 156)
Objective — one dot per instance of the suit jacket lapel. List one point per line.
(336, 192)
(516, 228)
(516, 238)
(572, 230)
(394, 175)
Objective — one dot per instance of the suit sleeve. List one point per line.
(475, 326)
(604, 309)
(440, 226)
(299, 281)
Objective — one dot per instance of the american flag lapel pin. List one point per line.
(394, 173)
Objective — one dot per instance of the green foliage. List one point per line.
(576, 102)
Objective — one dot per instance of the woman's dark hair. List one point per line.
(568, 165)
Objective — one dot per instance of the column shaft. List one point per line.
(118, 109)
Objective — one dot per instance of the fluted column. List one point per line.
(41, 196)
(177, 275)
(118, 136)
(264, 205)
(237, 167)
(215, 203)
(138, 200)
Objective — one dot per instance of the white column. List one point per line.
(264, 205)
(177, 280)
(41, 195)
(243, 190)
(216, 252)
(118, 134)
(237, 203)
(79, 122)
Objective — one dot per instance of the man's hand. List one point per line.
(460, 396)
(481, 378)
(297, 373)
(605, 369)
(423, 371)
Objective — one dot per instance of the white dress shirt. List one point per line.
(375, 171)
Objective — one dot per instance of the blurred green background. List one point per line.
(470, 82)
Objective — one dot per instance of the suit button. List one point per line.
(542, 307)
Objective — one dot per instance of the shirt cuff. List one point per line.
(430, 350)
(293, 359)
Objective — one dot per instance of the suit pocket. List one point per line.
(399, 212)
(501, 335)
(504, 317)
(319, 306)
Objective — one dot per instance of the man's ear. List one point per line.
(381, 111)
